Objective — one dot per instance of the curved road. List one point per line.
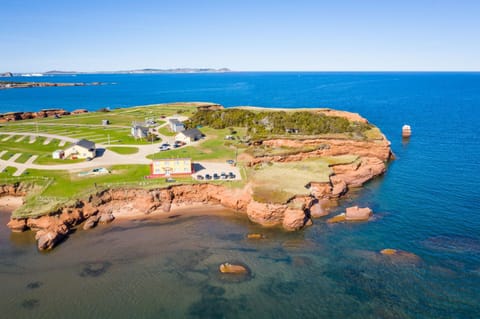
(107, 158)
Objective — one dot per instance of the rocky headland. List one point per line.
(108, 204)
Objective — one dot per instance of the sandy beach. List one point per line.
(10, 203)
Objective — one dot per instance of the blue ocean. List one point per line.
(427, 204)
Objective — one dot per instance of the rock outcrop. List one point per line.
(227, 268)
(356, 213)
(352, 214)
(104, 206)
(18, 116)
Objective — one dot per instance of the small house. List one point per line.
(189, 136)
(176, 126)
(58, 154)
(105, 122)
(166, 167)
(81, 149)
(139, 131)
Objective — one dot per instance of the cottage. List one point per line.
(139, 131)
(166, 167)
(81, 149)
(176, 126)
(188, 136)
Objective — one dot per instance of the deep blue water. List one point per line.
(427, 203)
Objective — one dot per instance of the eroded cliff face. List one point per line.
(379, 149)
(105, 206)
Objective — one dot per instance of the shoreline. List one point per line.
(183, 210)
(9, 203)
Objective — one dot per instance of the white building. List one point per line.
(81, 149)
(188, 136)
(139, 131)
(176, 126)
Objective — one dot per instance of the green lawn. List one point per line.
(166, 131)
(279, 182)
(212, 147)
(23, 158)
(124, 150)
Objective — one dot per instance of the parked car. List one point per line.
(216, 176)
(231, 162)
(170, 180)
(200, 177)
(223, 175)
(208, 176)
(231, 175)
(164, 147)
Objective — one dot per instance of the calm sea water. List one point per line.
(427, 203)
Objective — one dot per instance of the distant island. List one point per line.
(136, 71)
(23, 85)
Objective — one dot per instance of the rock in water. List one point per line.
(337, 219)
(106, 218)
(295, 219)
(17, 225)
(227, 268)
(388, 251)
(91, 222)
(255, 236)
(355, 213)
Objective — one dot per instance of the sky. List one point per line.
(243, 35)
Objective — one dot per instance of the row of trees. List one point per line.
(266, 123)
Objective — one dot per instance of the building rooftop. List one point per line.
(86, 144)
(193, 132)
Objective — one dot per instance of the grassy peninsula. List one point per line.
(239, 135)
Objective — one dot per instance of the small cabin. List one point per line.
(189, 136)
(81, 149)
(139, 131)
(175, 125)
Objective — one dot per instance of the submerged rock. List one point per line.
(256, 236)
(95, 269)
(227, 268)
(337, 219)
(388, 251)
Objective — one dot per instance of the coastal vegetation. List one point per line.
(264, 124)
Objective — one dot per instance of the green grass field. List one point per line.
(124, 150)
(279, 182)
(212, 147)
(88, 125)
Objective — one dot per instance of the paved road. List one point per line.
(104, 158)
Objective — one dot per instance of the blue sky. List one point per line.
(242, 35)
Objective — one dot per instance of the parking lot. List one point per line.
(212, 168)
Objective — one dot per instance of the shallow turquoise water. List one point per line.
(427, 204)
